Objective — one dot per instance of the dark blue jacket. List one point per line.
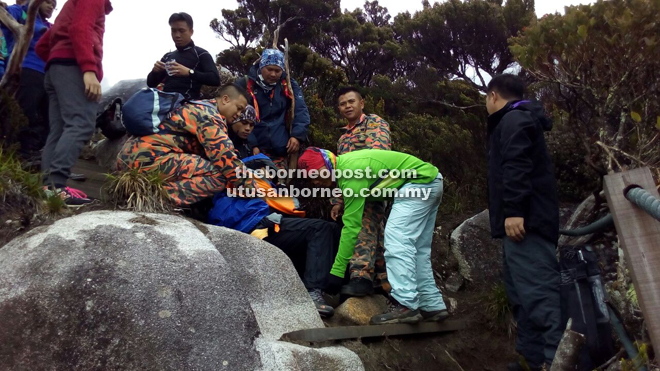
(32, 61)
(521, 181)
(270, 133)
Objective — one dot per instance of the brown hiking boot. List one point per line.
(396, 314)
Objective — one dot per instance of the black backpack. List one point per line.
(110, 120)
(585, 301)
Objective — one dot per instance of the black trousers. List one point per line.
(532, 279)
(33, 100)
(311, 244)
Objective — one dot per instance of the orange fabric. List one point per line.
(281, 204)
(250, 89)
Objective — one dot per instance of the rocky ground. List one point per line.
(484, 345)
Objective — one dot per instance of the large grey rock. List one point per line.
(118, 290)
(584, 214)
(106, 151)
(124, 89)
(479, 256)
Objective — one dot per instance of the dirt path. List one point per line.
(95, 175)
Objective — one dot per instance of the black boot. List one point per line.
(358, 287)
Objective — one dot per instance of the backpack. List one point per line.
(146, 109)
(250, 89)
(584, 300)
(110, 120)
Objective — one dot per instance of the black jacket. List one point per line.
(242, 147)
(521, 180)
(195, 58)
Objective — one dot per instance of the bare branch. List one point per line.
(10, 22)
(11, 80)
(453, 105)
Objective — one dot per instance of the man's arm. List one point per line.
(352, 224)
(301, 120)
(211, 132)
(206, 73)
(515, 145)
(81, 32)
(156, 77)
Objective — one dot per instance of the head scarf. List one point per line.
(272, 57)
(249, 114)
(269, 57)
(315, 158)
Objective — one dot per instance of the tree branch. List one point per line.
(453, 105)
(568, 351)
(11, 80)
(10, 22)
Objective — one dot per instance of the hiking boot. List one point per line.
(396, 314)
(434, 315)
(78, 177)
(72, 197)
(358, 287)
(517, 366)
(322, 307)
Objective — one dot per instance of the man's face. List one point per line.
(322, 182)
(46, 9)
(243, 128)
(231, 108)
(181, 33)
(271, 74)
(351, 106)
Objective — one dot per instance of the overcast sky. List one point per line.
(137, 33)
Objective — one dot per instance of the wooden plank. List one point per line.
(95, 178)
(639, 235)
(355, 332)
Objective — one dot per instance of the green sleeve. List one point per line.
(353, 209)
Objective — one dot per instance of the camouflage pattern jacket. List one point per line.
(195, 129)
(370, 132)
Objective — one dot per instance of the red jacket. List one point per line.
(77, 34)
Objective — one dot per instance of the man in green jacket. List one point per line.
(416, 187)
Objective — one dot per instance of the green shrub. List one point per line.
(20, 190)
(138, 191)
(11, 121)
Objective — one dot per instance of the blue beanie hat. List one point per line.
(272, 57)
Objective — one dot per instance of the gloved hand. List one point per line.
(334, 284)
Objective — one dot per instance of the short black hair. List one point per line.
(176, 17)
(508, 86)
(233, 91)
(346, 90)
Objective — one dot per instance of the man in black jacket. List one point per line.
(240, 130)
(187, 68)
(524, 211)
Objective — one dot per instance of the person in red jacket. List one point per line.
(73, 51)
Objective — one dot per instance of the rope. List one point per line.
(599, 225)
(644, 200)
